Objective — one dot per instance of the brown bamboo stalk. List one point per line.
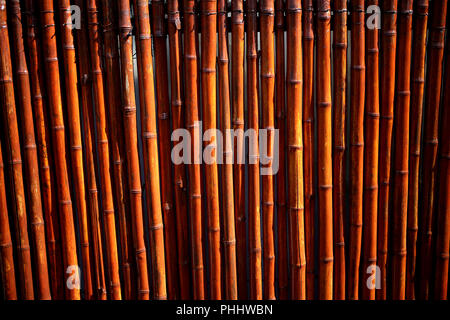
(195, 201)
(389, 43)
(415, 135)
(430, 148)
(295, 149)
(254, 211)
(308, 141)
(371, 136)
(59, 146)
(208, 79)
(116, 143)
(280, 77)
(6, 245)
(33, 188)
(162, 98)
(339, 111)
(131, 143)
(229, 241)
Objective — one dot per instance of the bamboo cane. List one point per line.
(229, 241)
(324, 161)
(116, 143)
(339, 111)
(253, 167)
(371, 136)
(103, 147)
(59, 147)
(415, 134)
(6, 245)
(308, 142)
(430, 148)
(295, 149)
(237, 91)
(208, 77)
(149, 135)
(70, 72)
(162, 98)
(282, 258)
(195, 201)
(389, 42)
(33, 188)
(131, 143)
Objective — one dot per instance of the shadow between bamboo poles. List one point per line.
(59, 147)
(387, 91)
(308, 141)
(415, 135)
(149, 136)
(103, 147)
(430, 144)
(131, 143)
(280, 75)
(254, 210)
(33, 189)
(162, 99)
(237, 96)
(339, 110)
(229, 241)
(295, 150)
(192, 116)
(116, 143)
(371, 136)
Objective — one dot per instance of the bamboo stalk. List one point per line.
(295, 149)
(131, 143)
(371, 136)
(208, 79)
(389, 43)
(308, 141)
(415, 135)
(430, 148)
(162, 98)
(33, 188)
(59, 147)
(339, 111)
(195, 201)
(116, 143)
(324, 161)
(254, 212)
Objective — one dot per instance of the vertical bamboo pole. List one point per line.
(237, 91)
(339, 111)
(389, 43)
(131, 143)
(295, 149)
(162, 98)
(430, 148)
(415, 135)
(308, 141)
(371, 136)
(32, 186)
(59, 146)
(208, 77)
(254, 212)
(195, 201)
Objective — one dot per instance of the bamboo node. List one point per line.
(6, 245)
(156, 227)
(327, 260)
(108, 212)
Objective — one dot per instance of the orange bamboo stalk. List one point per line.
(389, 43)
(208, 78)
(131, 143)
(295, 149)
(339, 110)
(430, 148)
(415, 135)
(59, 146)
(33, 188)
